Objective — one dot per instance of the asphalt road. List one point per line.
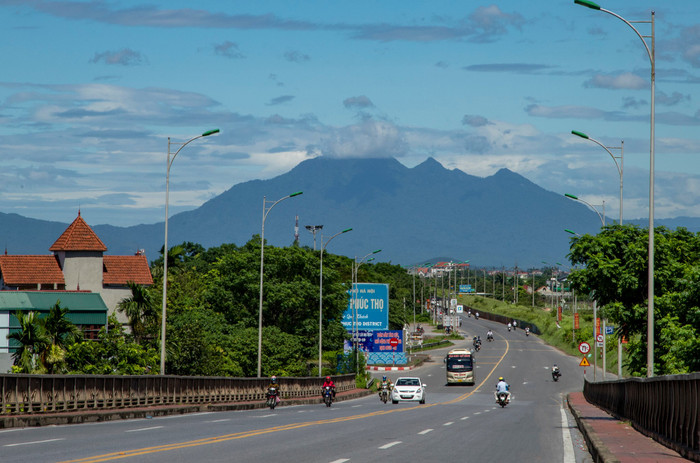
(457, 422)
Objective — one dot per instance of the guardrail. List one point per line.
(666, 408)
(33, 394)
(522, 324)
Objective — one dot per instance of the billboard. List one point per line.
(378, 341)
(368, 307)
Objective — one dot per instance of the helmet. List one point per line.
(274, 379)
(328, 378)
(383, 378)
(500, 378)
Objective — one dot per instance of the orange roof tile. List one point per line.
(23, 270)
(78, 237)
(120, 269)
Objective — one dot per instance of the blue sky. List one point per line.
(90, 92)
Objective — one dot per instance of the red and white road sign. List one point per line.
(393, 342)
(584, 348)
(599, 338)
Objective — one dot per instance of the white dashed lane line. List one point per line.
(390, 444)
(32, 443)
(425, 431)
(449, 423)
(143, 429)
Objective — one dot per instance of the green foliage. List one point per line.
(114, 353)
(616, 273)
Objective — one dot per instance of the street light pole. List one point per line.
(356, 328)
(650, 277)
(320, 299)
(576, 198)
(169, 162)
(313, 229)
(266, 210)
(621, 157)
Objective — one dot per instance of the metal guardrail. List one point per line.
(666, 408)
(522, 324)
(34, 394)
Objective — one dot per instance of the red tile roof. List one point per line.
(78, 237)
(120, 269)
(24, 270)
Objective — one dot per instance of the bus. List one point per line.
(459, 366)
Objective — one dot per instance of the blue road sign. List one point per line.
(368, 307)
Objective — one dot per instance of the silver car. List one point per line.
(408, 389)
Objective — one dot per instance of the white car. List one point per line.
(408, 389)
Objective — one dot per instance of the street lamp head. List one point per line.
(568, 195)
(571, 231)
(296, 194)
(210, 132)
(580, 134)
(346, 230)
(587, 4)
(378, 250)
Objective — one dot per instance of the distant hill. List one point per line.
(412, 214)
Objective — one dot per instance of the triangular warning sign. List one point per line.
(584, 363)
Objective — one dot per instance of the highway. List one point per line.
(457, 421)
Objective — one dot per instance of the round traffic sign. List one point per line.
(584, 347)
(393, 342)
(599, 338)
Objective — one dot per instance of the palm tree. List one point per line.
(140, 310)
(61, 333)
(32, 340)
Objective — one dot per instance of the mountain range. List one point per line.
(412, 214)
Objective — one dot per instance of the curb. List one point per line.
(598, 450)
(389, 368)
(94, 416)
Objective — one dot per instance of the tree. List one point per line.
(61, 333)
(32, 340)
(615, 267)
(143, 314)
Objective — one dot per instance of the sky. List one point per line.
(91, 92)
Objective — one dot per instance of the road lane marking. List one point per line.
(219, 421)
(425, 431)
(449, 423)
(32, 443)
(257, 432)
(566, 436)
(464, 418)
(144, 429)
(340, 460)
(390, 444)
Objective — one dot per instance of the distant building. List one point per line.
(74, 274)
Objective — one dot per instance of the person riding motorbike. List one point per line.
(476, 316)
(477, 342)
(328, 383)
(510, 326)
(276, 386)
(386, 383)
(489, 335)
(555, 372)
(527, 331)
(502, 387)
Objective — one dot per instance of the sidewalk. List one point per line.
(610, 440)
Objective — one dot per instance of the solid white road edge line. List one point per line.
(32, 443)
(566, 436)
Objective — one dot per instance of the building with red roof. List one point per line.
(77, 264)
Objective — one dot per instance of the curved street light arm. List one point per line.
(576, 198)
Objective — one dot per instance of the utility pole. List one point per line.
(313, 229)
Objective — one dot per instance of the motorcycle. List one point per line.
(272, 398)
(527, 331)
(328, 396)
(502, 399)
(477, 345)
(489, 337)
(476, 316)
(509, 328)
(384, 393)
(555, 375)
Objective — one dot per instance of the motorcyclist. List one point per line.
(510, 326)
(527, 331)
(385, 383)
(489, 335)
(555, 371)
(476, 315)
(328, 383)
(274, 384)
(502, 386)
(515, 325)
